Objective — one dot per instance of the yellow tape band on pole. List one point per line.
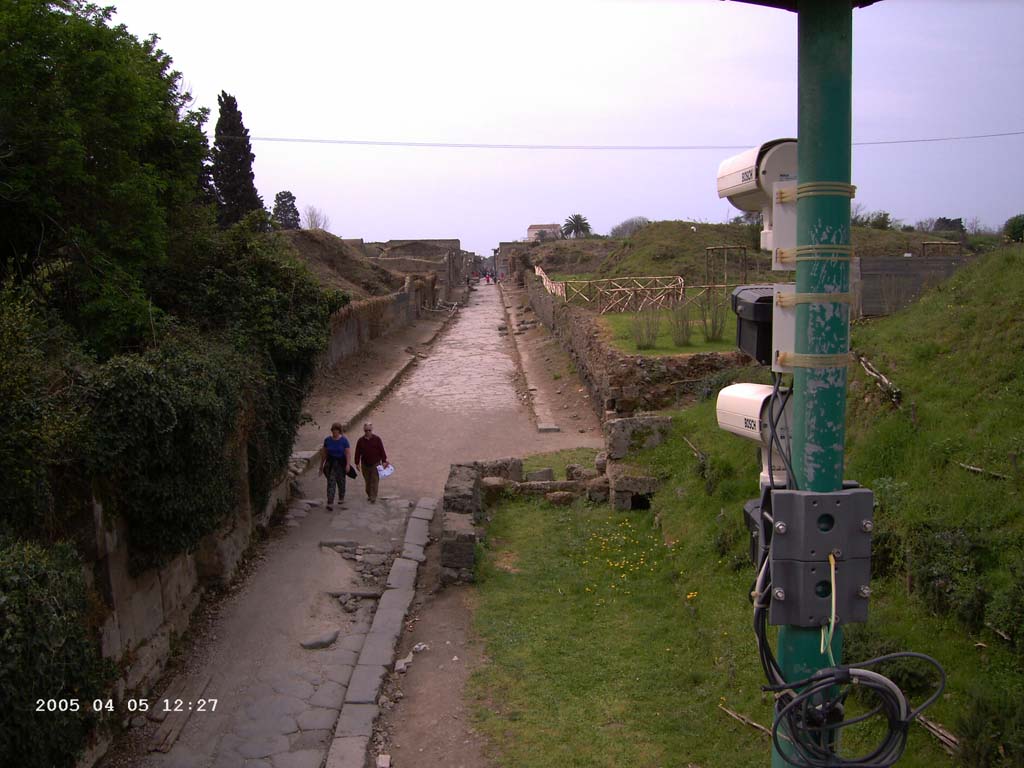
(831, 188)
(792, 299)
(797, 360)
(814, 253)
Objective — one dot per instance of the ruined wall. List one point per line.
(623, 383)
(357, 324)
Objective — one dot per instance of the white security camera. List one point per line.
(745, 410)
(747, 179)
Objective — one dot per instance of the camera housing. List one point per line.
(745, 410)
(747, 179)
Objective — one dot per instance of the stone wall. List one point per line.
(623, 383)
(357, 324)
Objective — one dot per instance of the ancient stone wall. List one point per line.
(359, 323)
(623, 383)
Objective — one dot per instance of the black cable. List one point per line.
(805, 743)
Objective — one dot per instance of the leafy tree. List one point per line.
(576, 226)
(629, 227)
(1014, 228)
(232, 164)
(101, 160)
(942, 224)
(285, 214)
(880, 220)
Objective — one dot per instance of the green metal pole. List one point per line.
(822, 328)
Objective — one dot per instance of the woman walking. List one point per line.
(334, 464)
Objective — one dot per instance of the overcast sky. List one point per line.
(622, 72)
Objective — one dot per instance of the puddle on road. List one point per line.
(470, 368)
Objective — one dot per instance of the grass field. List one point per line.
(620, 327)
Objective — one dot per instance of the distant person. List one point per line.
(369, 453)
(334, 463)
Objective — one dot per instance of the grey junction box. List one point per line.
(807, 527)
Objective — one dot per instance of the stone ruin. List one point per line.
(475, 487)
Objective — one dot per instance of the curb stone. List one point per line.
(377, 652)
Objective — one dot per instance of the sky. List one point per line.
(589, 72)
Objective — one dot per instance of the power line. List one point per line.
(603, 147)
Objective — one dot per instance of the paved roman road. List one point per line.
(277, 702)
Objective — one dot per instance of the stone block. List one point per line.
(347, 752)
(147, 604)
(364, 685)
(540, 474)
(396, 600)
(356, 720)
(492, 489)
(458, 542)
(622, 500)
(547, 426)
(387, 623)
(572, 471)
(378, 650)
(597, 490)
(601, 462)
(623, 436)
(510, 469)
(402, 575)
(542, 487)
(413, 552)
(462, 490)
(417, 532)
(178, 579)
(623, 477)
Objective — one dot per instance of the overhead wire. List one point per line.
(599, 147)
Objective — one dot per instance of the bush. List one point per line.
(991, 730)
(1014, 228)
(712, 314)
(629, 227)
(945, 567)
(165, 440)
(1005, 612)
(679, 323)
(40, 416)
(646, 326)
(45, 652)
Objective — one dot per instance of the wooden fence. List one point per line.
(623, 294)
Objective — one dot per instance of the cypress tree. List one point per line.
(232, 164)
(285, 213)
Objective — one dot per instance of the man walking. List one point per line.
(369, 453)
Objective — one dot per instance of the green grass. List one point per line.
(559, 460)
(620, 326)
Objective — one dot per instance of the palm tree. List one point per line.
(576, 226)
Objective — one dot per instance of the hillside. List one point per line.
(678, 248)
(341, 264)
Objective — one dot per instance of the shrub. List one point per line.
(712, 314)
(1006, 610)
(679, 323)
(629, 227)
(945, 566)
(1014, 228)
(40, 416)
(646, 325)
(45, 652)
(991, 730)
(165, 439)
